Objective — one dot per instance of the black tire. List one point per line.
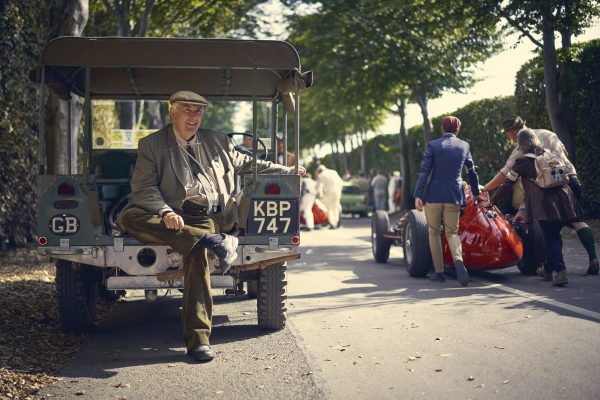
(272, 297)
(252, 289)
(417, 254)
(380, 225)
(77, 292)
(534, 250)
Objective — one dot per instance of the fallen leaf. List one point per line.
(122, 385)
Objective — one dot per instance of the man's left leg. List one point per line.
(451, 216)
(197, 299)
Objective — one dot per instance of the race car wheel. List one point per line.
(380, 225)
(417, 255)
(272, 297)
(534, 250)
(77, 290)
(252, 289)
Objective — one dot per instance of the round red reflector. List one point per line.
(42, 241)
(66, 189)
(295, 239)
(273, 188)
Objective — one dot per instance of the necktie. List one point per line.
(193, 161)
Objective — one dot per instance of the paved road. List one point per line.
(360, 330)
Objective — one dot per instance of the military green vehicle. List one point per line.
(78, 210)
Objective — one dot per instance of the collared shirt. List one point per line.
(194, 189)
(549, 141)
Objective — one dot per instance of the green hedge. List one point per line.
(23, 27)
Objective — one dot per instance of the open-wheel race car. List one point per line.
(490, 240)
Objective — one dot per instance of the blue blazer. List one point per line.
(440, 178)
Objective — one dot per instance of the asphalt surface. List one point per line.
(360, 330)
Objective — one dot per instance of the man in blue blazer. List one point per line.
(440, 192)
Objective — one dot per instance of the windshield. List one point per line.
(119, 125)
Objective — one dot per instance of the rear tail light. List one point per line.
(66, 189)
(42, 240)
(273, 188)
(295, 239)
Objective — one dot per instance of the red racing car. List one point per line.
(489, 240)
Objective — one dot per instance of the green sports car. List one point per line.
(354, 198)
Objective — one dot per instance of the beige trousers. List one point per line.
(449, 213)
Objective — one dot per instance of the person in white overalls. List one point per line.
(329, 187)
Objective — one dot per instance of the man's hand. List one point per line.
(301, 170)
(172, 220)
(418, 204)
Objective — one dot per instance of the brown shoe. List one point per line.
(593, 268)
(561, 278)
(545, 275)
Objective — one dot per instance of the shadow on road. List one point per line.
(389, 283)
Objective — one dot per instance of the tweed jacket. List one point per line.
(549, 141)
(157, 183)
(442, 165)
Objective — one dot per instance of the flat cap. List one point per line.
(513, 122)
(185, 96)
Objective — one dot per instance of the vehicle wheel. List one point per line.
(534, 250)
(272, 297)
(380, 225)
(77, 292)
(417, 254)
(252, 289)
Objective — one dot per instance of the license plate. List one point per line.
(273, 217)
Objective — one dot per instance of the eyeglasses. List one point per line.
(190, 112)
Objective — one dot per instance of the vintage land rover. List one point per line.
(78, 209)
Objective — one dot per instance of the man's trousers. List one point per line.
(197, 300)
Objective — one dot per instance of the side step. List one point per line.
(151, 282)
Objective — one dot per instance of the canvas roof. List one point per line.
(153, 68)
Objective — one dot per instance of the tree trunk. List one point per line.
(552, 90)
(564, 85)
(344, 155)
(363, 155)
(422, 102)
(67, 18)
(404, 165)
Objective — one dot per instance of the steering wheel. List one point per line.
(262, 151)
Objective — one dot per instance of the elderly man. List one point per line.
(550, 141)
(182, 189)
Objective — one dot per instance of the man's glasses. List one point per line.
(190, 112)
